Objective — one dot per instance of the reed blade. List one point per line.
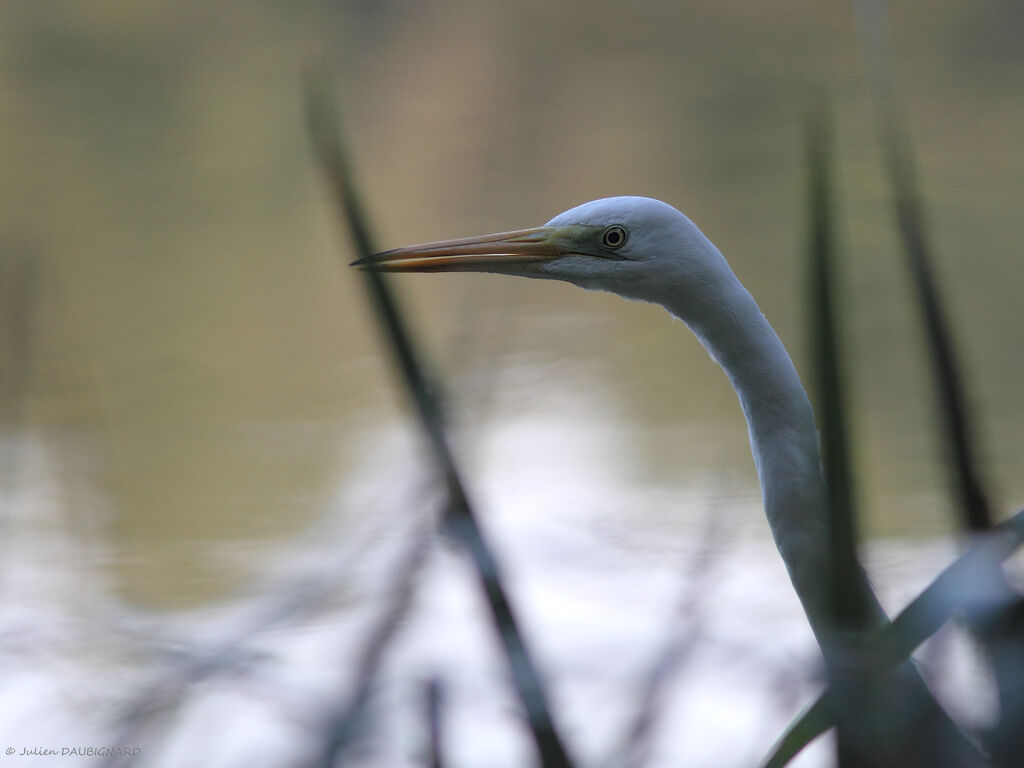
(959, 427)
(324, 123)
(851, 610)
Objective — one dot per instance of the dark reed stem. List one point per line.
(851, 610)
(909, 212)
(973, 501)
(460, 518)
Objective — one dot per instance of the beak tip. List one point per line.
(464, 254)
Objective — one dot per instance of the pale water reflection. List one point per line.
(599, 596)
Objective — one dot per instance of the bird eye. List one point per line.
(614, 237)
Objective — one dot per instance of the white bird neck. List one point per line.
(780, 421)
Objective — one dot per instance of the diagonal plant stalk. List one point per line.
(950, 398)
(973, 584)
(849, 606)
(1000, 633)
(850, 609)
(460, 518)
(951, 401)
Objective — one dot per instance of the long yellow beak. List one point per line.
(470, 253)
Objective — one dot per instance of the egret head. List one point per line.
(628, 245)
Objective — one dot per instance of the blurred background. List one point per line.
(195, 412)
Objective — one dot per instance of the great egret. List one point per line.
(646, 250)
